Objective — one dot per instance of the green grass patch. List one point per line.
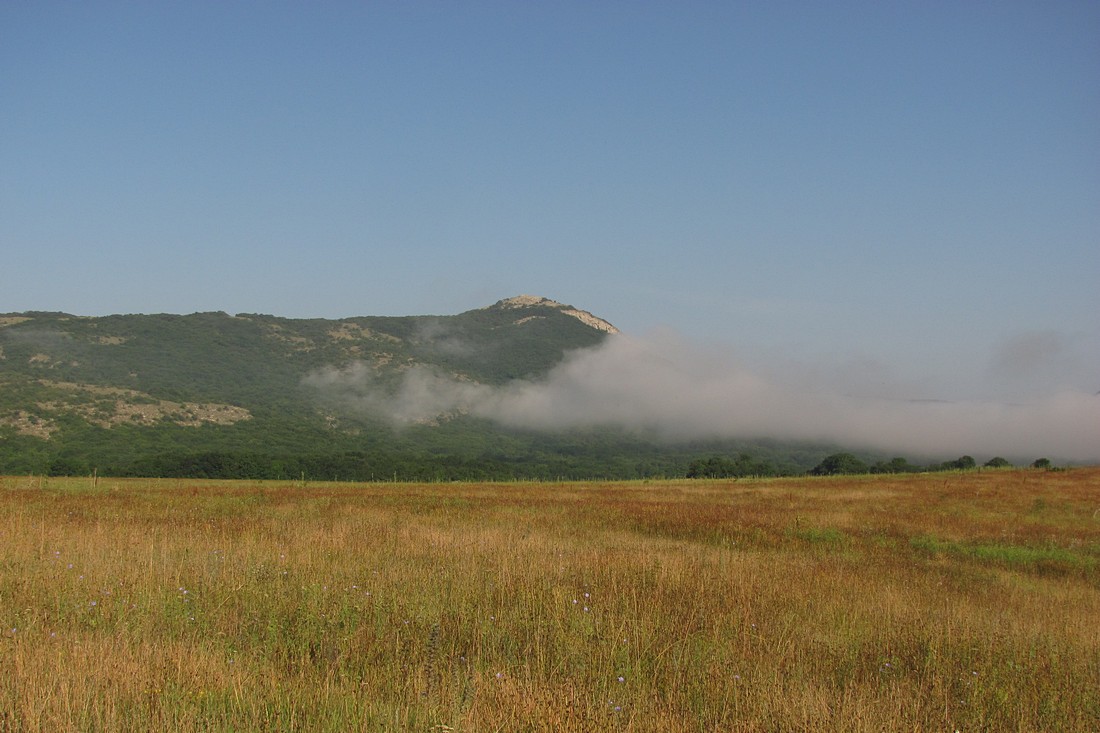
(829, 537)
(1022, 557)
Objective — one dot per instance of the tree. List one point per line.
(66, 466)
(720, 467)
(1041, 463)
(962, 463)
(839, 463)
(997, 462)
(895, 465)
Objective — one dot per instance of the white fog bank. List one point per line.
(683, 392)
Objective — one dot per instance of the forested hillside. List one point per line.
(258, 396)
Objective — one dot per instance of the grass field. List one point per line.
(939, 602)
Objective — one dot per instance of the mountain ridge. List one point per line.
(261, 396)
(115, 391)
(528, 301)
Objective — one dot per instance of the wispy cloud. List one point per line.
(422, 394)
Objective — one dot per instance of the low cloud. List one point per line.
(421, 395)
(680, 391)
(436, 337)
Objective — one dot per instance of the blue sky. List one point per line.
(891, 197)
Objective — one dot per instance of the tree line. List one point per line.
(847, 463)
(837, 464)
(551, 463)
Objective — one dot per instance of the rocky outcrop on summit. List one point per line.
(535, 301)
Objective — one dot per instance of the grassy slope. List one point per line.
(938, 602)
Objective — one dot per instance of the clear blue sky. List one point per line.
(906, 192)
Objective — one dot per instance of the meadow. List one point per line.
(952, 601)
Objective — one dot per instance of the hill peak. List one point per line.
(536, 301)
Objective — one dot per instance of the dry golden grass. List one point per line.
(963, 601)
